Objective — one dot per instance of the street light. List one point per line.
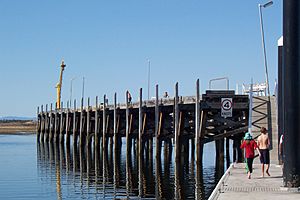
(71, 88)
(263, 40)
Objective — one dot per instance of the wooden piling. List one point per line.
(198, 124)
(88, 128)
(46, 136)
(38, 127)
(42, 124)
(61, 131)
(51, 125)
(96, 139)
(115, 124)
(176, 124)
(157, 122)
(128, 146)
(56, 125)
(74, 126)
(81, 126)
(140, 123)
(227, 153)
(104, 124)
(68, 126)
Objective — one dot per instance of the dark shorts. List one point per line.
(265, 156)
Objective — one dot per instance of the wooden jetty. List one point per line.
(178, 122)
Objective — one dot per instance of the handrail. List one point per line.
(217, 79)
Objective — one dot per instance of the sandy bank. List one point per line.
(17, 127)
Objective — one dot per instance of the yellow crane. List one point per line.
(59, 84)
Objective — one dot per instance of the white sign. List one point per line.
(226, 107)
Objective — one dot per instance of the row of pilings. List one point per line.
(182, 123)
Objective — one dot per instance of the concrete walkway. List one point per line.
(235, 185)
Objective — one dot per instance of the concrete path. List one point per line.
(235, 185)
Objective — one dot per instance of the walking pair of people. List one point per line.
(262, 147)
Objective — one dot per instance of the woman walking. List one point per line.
(249, 145)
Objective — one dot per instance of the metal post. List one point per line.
(263, 41)
(291, 98)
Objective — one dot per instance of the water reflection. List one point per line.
(111, 173)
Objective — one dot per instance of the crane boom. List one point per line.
(59, 85)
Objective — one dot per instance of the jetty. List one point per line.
(177, 122)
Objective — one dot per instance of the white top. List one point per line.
(280, 41)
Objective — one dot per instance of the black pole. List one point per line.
(280, 104)
(291, 99)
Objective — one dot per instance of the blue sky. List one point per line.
(109, 43)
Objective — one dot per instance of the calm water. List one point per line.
(41, 171)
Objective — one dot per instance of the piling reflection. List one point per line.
(113, 173)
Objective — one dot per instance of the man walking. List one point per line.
(263, 145)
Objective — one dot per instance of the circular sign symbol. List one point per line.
(226, 104)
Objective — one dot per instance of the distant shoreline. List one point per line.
(17, 127)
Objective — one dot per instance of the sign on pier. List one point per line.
(226, 107)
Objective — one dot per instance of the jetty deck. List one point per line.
(235, 184)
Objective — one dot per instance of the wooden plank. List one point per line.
(227, 134)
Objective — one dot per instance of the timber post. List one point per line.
(96, 139)
(176, 124)
(88, 127)
(115, 124)
(157, 145)
(128, 146)
(46, 136)
(38, 126)
(81, 126)
(42, 124)
(74, 126)
(68, 125)
(198, 124)
(51, 125)
(140, 142)
(56, 125)
(61, 130)
(104, 125)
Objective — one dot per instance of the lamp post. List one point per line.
(71, 88)
(260, 6)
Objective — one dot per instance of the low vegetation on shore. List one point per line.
(17, 126)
